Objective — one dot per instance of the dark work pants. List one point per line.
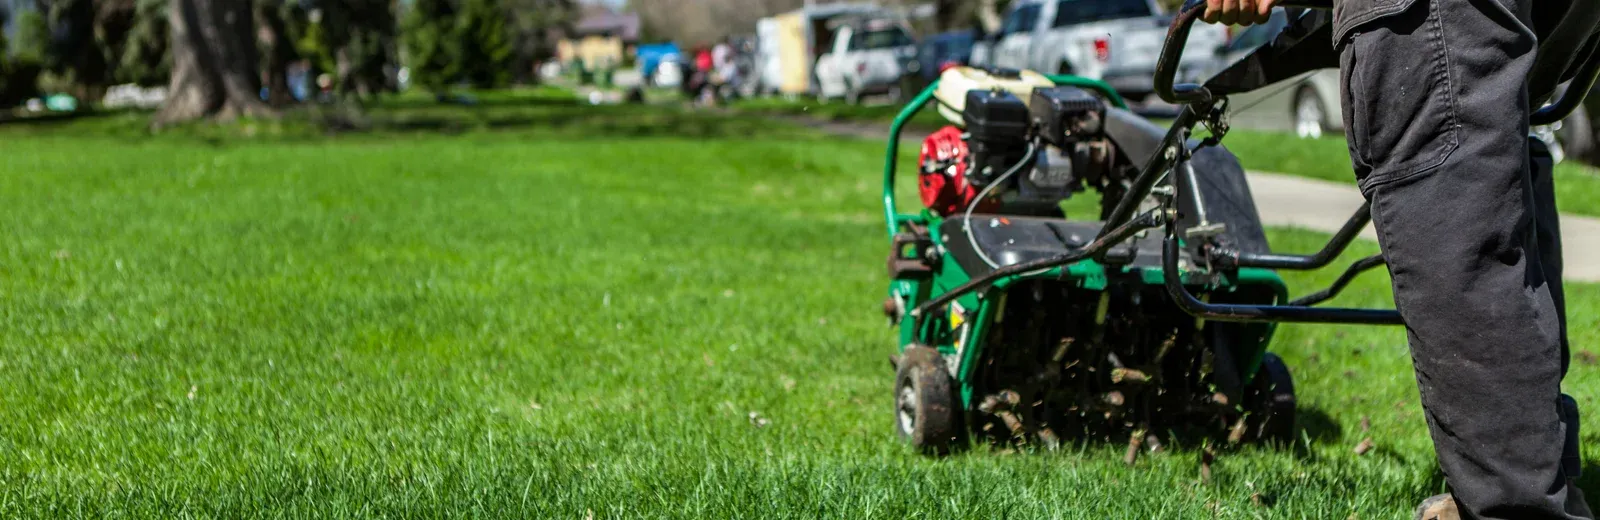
(1436, 107)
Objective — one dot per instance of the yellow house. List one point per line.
(601, 39)
(594, 51)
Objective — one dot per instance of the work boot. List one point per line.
(1438, 507)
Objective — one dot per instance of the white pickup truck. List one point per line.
(870, 57)
(1116, 41)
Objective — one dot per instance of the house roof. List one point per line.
(599, 19)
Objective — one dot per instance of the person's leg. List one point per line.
(1436, 109)
(1547, 218)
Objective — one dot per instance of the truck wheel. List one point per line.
(925, 408)
(1310, 114)
(1272, 402)
(852, 95)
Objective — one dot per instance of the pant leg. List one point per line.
(1547, 218)
(1548, 222)
(1436, 110)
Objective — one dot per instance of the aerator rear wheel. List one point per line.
(926, 414)
(1272, 402)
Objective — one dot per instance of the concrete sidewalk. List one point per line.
(1325, 206)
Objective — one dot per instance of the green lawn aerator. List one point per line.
(1021, 323)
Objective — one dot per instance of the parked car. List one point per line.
(868, 57)
(1116, 41)
(941, 51)
(789, 44)
(982, 51)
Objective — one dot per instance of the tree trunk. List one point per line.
(280, 51)
(214, 70)
(278, 92)
(347, 82)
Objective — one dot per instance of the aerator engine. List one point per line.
(1024, 158)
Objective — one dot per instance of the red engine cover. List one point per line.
(943, 178)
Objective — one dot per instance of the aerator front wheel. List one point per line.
(1272, 402)
(925, 408)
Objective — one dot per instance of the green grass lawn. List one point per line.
(553, 311)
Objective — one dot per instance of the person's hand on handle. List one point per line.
(1241, 12)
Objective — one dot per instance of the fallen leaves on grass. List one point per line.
(1365, 446)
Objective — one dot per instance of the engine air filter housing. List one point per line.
(1066, 115)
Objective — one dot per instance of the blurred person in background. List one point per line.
(704, 66)
(727, 73)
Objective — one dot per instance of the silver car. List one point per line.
(1115, 41)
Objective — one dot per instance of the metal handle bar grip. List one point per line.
(1569, 101)
(1178, 37)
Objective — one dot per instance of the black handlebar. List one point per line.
(1569, 101)
(1178, 37)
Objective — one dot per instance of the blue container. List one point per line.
(651, 55)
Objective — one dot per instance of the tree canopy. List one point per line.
(360, 46)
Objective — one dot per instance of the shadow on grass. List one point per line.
(1191, 439)
(60, 118)
(1317, 425)
(470, 102)
(515, 115)
(600, 122)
